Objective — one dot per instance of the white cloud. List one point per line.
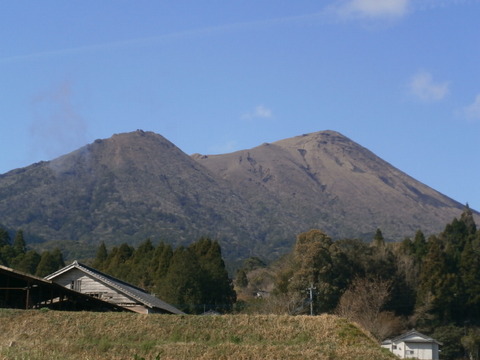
(423, 87)
(472, 111)
(371, 8)
(260, 112)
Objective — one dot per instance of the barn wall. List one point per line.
(84, 283)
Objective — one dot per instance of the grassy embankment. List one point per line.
(85, 335)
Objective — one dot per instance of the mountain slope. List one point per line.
(126, 188)
(325, 180)
(138, 185)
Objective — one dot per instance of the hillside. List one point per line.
(124, 189)
(324, 180)
(60, 335)
(139, 185)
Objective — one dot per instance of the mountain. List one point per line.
(325, 180)
(138, 185)
(124, 189)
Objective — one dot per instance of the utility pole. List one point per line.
(310, 291)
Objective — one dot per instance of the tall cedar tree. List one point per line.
(217, 287)
(470, 274)
(4, 237)
(19, 244)
(100, 257)
(182, 286)
(49, 263)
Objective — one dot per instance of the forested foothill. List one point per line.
(432, 285)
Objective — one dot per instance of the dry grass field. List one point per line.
(35, 334)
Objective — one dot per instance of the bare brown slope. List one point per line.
(325, 180)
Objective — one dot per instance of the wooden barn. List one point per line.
(86, 280)
(19, 290)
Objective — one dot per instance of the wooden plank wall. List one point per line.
(92, 286)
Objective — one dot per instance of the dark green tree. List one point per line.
(19, 245)
(100, 257)
(4, 237)
(27, 262)
(419, 246)
(470, 275)
(450, 336)
(49, 263)
(241, 279)
(141, 264)
(117, 262)
(217, 287)
(378, 240)
(439, 289)
(182, 285)
(161, 262)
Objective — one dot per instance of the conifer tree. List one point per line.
(162, 257)
(27, 262)
(4, 237)
(49, 263)
(182, 284)
(19, 244)
(420, 246)
(217, 287)
(439, 289)
(378, 240)
(241, 279)
(141, 269)
(100, 257)
(470, 275)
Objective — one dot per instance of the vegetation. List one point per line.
(430, 284)
(66, 335)
(16, 256)
(193, 278)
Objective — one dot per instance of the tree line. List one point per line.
(431, 284)
(192, 278)
(14, 254)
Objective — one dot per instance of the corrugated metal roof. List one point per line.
(129, 290)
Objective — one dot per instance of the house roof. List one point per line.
(412, 336)
(24, 291)
(129, 290)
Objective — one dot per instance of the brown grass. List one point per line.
(69, 335)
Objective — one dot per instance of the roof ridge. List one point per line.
(109, 279)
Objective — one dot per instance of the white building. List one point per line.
(413, 345)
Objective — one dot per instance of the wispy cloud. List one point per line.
(423, 87)
(149, 40)
(371, 9)
(472, 111)
(346, 9)
(260, 112)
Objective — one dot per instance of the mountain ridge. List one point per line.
(139, 185)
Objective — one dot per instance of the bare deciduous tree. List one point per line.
(362, 303)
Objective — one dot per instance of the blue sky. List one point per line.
(399, 77)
